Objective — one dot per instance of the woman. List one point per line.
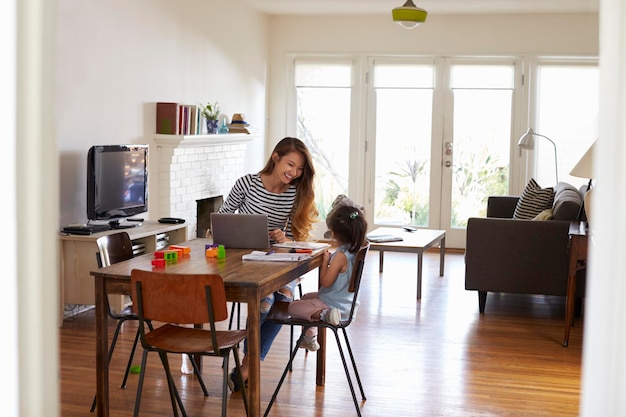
(283, 190)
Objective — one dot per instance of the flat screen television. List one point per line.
(117, 181)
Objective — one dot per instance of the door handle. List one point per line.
(447, 164)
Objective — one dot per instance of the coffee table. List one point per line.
(414, 242)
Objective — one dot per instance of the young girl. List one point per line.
(333, 301)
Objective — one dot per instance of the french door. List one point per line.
(442, 133)
(430, 143)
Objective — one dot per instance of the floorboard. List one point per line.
(421, 358)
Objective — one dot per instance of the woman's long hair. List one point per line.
(303, 213)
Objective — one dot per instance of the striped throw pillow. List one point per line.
(533, 201)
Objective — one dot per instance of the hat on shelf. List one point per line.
(238, 120)
(238, 124)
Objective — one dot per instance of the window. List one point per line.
(567, 113)
(323, 104)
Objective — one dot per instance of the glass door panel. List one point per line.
(404, 97)
(481, 151)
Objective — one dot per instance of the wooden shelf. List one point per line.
(79, 258)
(178, 141)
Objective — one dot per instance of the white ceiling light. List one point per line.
(409, 15)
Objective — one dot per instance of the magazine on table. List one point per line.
(382, 238)
(273, 256)
(302, 245)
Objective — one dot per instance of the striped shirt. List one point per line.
(249, 196)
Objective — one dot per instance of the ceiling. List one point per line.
(336, 7)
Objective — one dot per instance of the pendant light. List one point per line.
(409, 15)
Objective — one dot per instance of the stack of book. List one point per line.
(179, 119)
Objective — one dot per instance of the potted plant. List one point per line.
(211, 112)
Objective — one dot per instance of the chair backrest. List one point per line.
(178, 298)
(357, 274)
(114, 248)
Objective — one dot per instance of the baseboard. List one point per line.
(72, 310)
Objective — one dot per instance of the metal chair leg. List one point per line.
(282, 378)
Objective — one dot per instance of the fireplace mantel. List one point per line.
(192, 141)
(187, 168)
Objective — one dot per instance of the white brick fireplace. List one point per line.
(184, 169)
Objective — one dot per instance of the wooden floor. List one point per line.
(433, 357)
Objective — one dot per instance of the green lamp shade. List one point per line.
(409, 15)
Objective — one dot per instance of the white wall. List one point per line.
(604, 358)
(8, 286)
(115, 59)
(445, 35)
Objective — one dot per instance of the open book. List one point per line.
(302, 245)
(274, 256)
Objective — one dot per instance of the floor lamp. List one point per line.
(527, 141)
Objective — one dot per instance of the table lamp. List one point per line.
(584, 169)
(527, 141)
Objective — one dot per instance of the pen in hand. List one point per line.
(269, 252)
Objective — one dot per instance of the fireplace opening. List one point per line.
(204, 208)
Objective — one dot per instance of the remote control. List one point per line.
(135, 219)
(171, 220)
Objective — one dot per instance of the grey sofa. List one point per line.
(521, 256)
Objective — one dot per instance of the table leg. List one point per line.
(102, 343)
(420, 256)
(320, 372)
(577, 253)
(442, 255)
(381, 258)
(320, 375)
(254, 354)
(569, 307)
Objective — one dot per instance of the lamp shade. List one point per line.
(527, 141)
(584, 167)
(409, 15)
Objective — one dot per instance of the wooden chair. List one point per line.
(177, 300)
(112, 249)
(279, 313)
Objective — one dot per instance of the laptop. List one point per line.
(240, 231)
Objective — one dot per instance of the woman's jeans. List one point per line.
(269, 329)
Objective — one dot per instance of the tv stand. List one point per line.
(79, 256)
(116, 226)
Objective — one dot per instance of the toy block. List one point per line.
(211, 252)
(186, 249)
(170, 255)
(179, 252)
(159, 254)
(159, 263)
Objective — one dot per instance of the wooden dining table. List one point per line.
(245, 281)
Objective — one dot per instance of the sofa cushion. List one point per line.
(544, 215)
(567, 202)
(533, 201)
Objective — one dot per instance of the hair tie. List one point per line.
(354, 215)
